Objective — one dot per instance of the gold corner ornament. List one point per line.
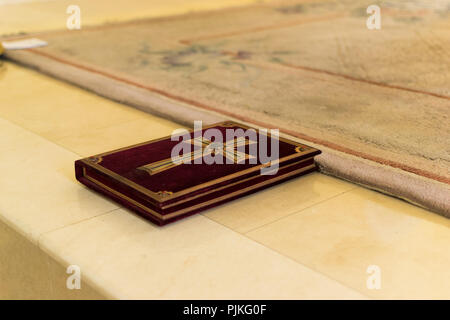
(164, 193)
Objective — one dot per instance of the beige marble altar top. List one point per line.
(312, 237)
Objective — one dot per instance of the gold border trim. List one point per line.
(198, 206)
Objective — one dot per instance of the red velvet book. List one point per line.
(171, 178)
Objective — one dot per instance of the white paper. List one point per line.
(23, 44)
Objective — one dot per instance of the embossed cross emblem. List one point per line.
(204, 147)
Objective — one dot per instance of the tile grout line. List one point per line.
(65, 149)
(60, 261)
(39, 135)
(313, 269)
(63, 262)
(298, 211)
(72, 224)
(57, 140)
(299, 262)
(292, 259)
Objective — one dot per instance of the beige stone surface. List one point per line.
(39, 191)
(60, 111)
(267, 206)
(117, 136)
(195, 258)
(342, 237)
(26, 272)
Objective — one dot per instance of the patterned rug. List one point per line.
(377, 102)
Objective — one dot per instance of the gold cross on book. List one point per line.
(229, 150)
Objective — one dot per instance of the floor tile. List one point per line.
(54, 109)
(266, 206)
(117, 136)
(342, 237)
(195, 258)
(39, 190)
